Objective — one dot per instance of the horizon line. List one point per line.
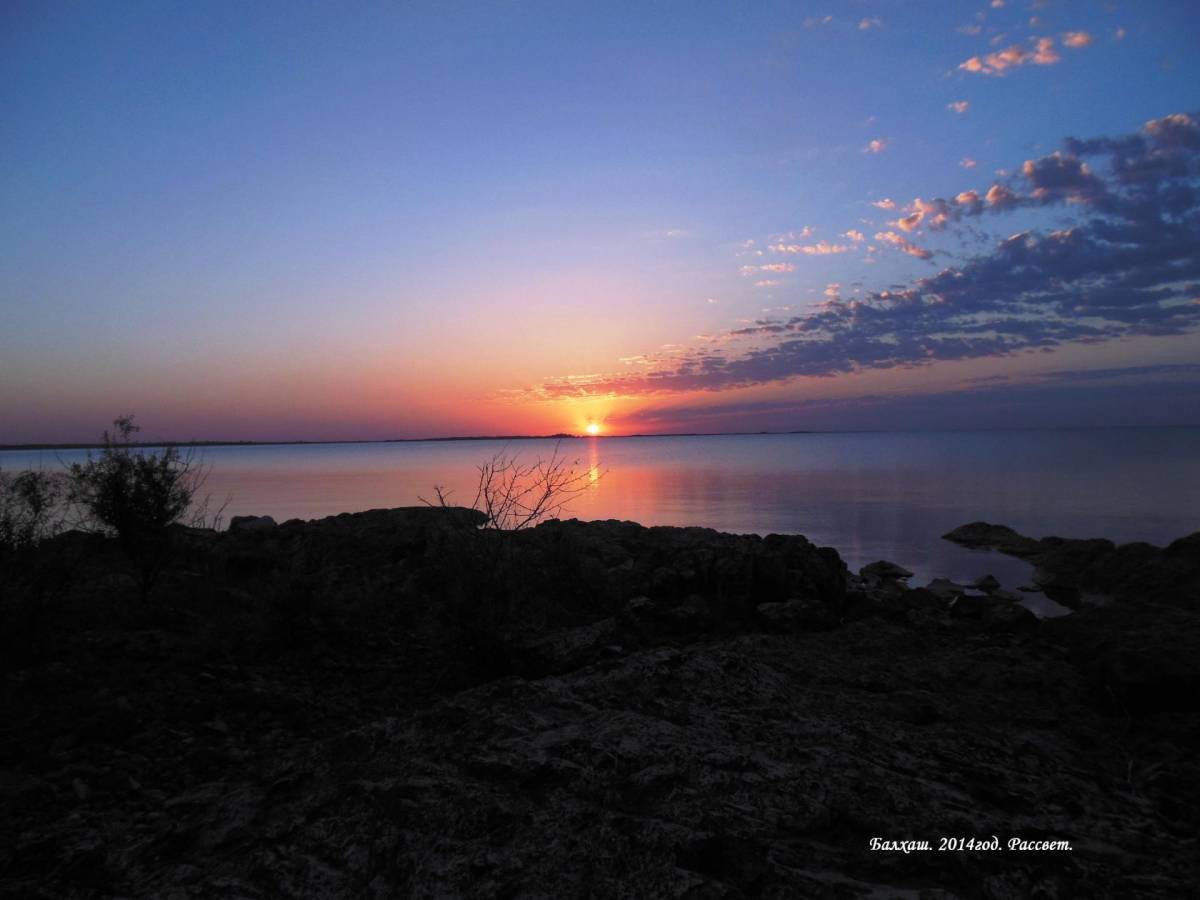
(97, 445)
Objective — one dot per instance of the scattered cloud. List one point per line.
(866, 24)
(885, 203)
(959, 106)
(876, 146)
(903, 244)
(1076, 39)
(778, 267)
(1127, 264)
(817, 21)
(820, 248)
(791, 236)
(1119, 34)
(967, 162)
(854, 235)
(767, 282)
(1042, 54)
(972, 30)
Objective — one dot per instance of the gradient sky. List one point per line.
(369, 220)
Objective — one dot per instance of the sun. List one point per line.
(593, 428)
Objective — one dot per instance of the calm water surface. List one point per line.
(870, 495)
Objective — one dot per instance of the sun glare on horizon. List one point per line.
(593, 428)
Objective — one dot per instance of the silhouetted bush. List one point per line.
(486, 589)
(136, 495)
(31, 508)
(516, 495)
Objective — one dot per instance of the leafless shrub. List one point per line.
(516, 495)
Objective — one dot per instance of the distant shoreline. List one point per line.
(96, 445)
(93, 445)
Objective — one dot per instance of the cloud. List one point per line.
(854, 235)
(870, 23)
(1076, 39)
(820, 248)
(972, 30)
(959, 106)
(778, 267)
(817, 21)
(1042, 54)
(1137, 395)
(876, 146)
(1126, 265)
(967, 162)
(901, 243)
(767, 282)
(885, 203)
(792, 236)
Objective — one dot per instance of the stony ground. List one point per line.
(324, 710)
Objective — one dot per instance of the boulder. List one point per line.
(251, 523)
(988, 583)
(886, 570)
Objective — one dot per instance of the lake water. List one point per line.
(870, 495)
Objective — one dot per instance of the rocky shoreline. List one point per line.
(396, 703)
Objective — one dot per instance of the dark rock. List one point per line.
(251, 523)
(946, 589)
(988, 583)
(400, 703)
(984, 536)
(796, 615)
(885, 569)
(1067, 569)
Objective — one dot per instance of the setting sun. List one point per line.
(592, 428)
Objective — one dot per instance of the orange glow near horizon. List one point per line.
(593, 428)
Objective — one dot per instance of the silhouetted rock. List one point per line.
(400, 703)
(885, 569)
(251, 523)
(1068, 569)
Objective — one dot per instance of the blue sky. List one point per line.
(371, 220)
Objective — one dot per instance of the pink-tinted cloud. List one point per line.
(885, 203)
(903, 244)
(876, 146)
(821, 248)
(854, 235)
(1014, 56)
(793, 236)
(1076, 39)
(1127, 266)
(959, 106)
(967, 162)
(872, 22)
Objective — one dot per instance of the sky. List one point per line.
(278, 221)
